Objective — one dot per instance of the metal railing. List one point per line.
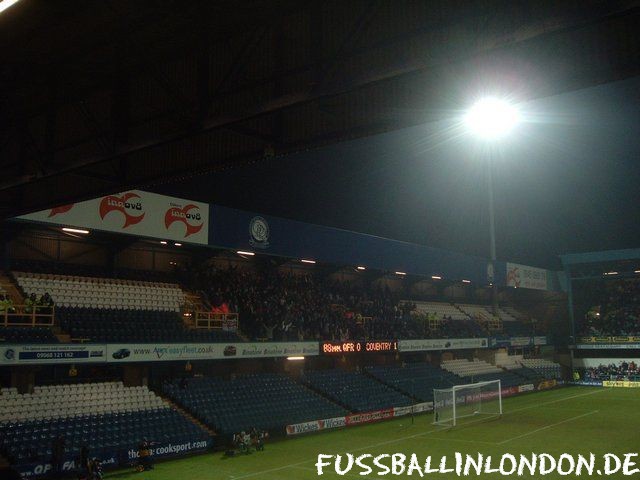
(27, 316)
(216, 321)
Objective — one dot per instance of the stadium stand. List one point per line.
(414, 379)
(107, 416)
(76, 269)
(617, 311)
(271, 306)
(546, 368)
(106, 309)
(91, 292)
(356, 391)
(513, 363)
(27, 335)
(110, 325)
(265, 401)
(480, 371)
(623, 370)
(440, 310)
(475, 310)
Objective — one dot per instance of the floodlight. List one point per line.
(491, 118)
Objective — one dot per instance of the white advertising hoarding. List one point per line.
(523, 276)
(441, 344)
(52, 354)
(166, 352)
(134, 212)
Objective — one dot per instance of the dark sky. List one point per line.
(566, 180)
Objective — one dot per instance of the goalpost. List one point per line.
(460, 401)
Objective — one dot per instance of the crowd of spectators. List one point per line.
(622, 371)
(277, 306)
(619, 311)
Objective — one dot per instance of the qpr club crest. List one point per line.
(259, 232)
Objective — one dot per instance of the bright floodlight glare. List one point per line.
(491, 118)
(4, 4)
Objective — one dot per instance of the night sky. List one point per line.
(566, 180)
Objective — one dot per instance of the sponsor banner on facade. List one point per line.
(115, 459)
(52, 354)
(523, 276)
(166, 449)
(547, 384)
(608, 346)
(412, 409)
(166, 352)
(518, 341)
(509, 391)
(134, 212)
(70, 465)
(587, 383)
(316, 425)
(620, 384)
(609, 340)
(369, 417)
(427, 344)
(526, 388)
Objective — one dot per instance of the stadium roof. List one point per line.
(97, 97)
(598, 257)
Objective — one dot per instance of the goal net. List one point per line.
(461, 401)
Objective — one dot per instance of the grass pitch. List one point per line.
(575, 420)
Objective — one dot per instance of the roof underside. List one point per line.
(100, 96)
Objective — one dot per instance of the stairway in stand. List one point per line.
(457, 307)
(193, 303)
(9, 287)
(187, 415)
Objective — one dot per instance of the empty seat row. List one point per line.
(416, 380)
(74, 291)
(265, 401)
(32, 440)
(64, 402)
(357, 391)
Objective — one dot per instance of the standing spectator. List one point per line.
(144, 453)
(3, 304)
(57, 456)
(85, 470)
(46, 302)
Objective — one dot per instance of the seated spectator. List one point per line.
(45, 304)
(30, 303)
